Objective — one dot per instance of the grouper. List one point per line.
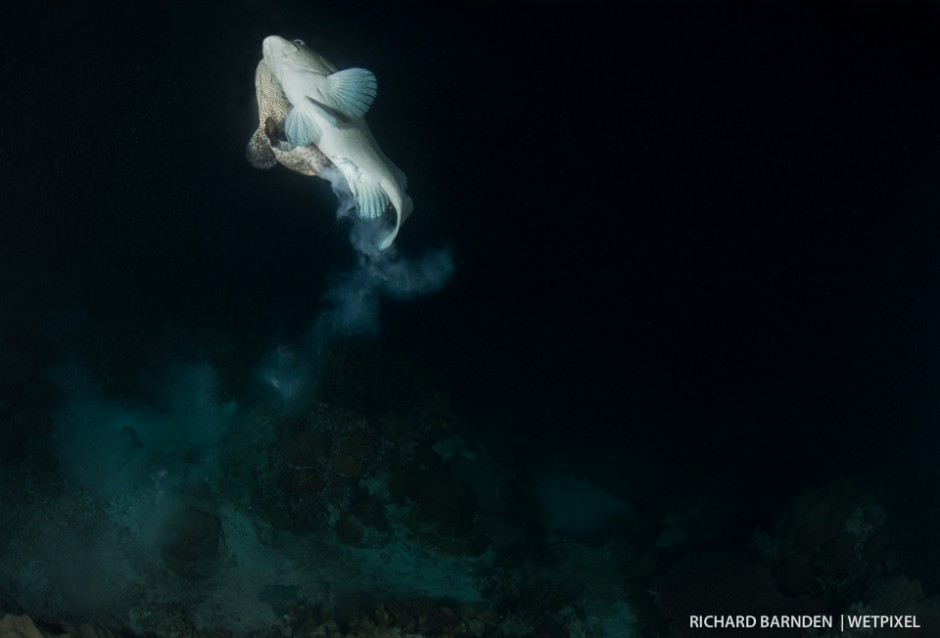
(269, 145)
(327, 110)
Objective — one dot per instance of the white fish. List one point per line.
(328, 110)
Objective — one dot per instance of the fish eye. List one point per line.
(300, 42)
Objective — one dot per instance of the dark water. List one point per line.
(693, 244)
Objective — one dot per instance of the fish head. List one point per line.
(281, 54)
(275, 48)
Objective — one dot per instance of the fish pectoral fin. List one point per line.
(258, 152)
(349, 92)
(371, 198)
(301, 129)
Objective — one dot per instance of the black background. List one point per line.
(709, 226)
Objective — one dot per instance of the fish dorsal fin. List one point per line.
(350, 92)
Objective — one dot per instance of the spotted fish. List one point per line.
(269, 145)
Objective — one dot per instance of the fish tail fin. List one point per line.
(409, 206)
(350, 92)
(403, 209)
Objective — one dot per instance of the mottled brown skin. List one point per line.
(269, 146)
(275, 135)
